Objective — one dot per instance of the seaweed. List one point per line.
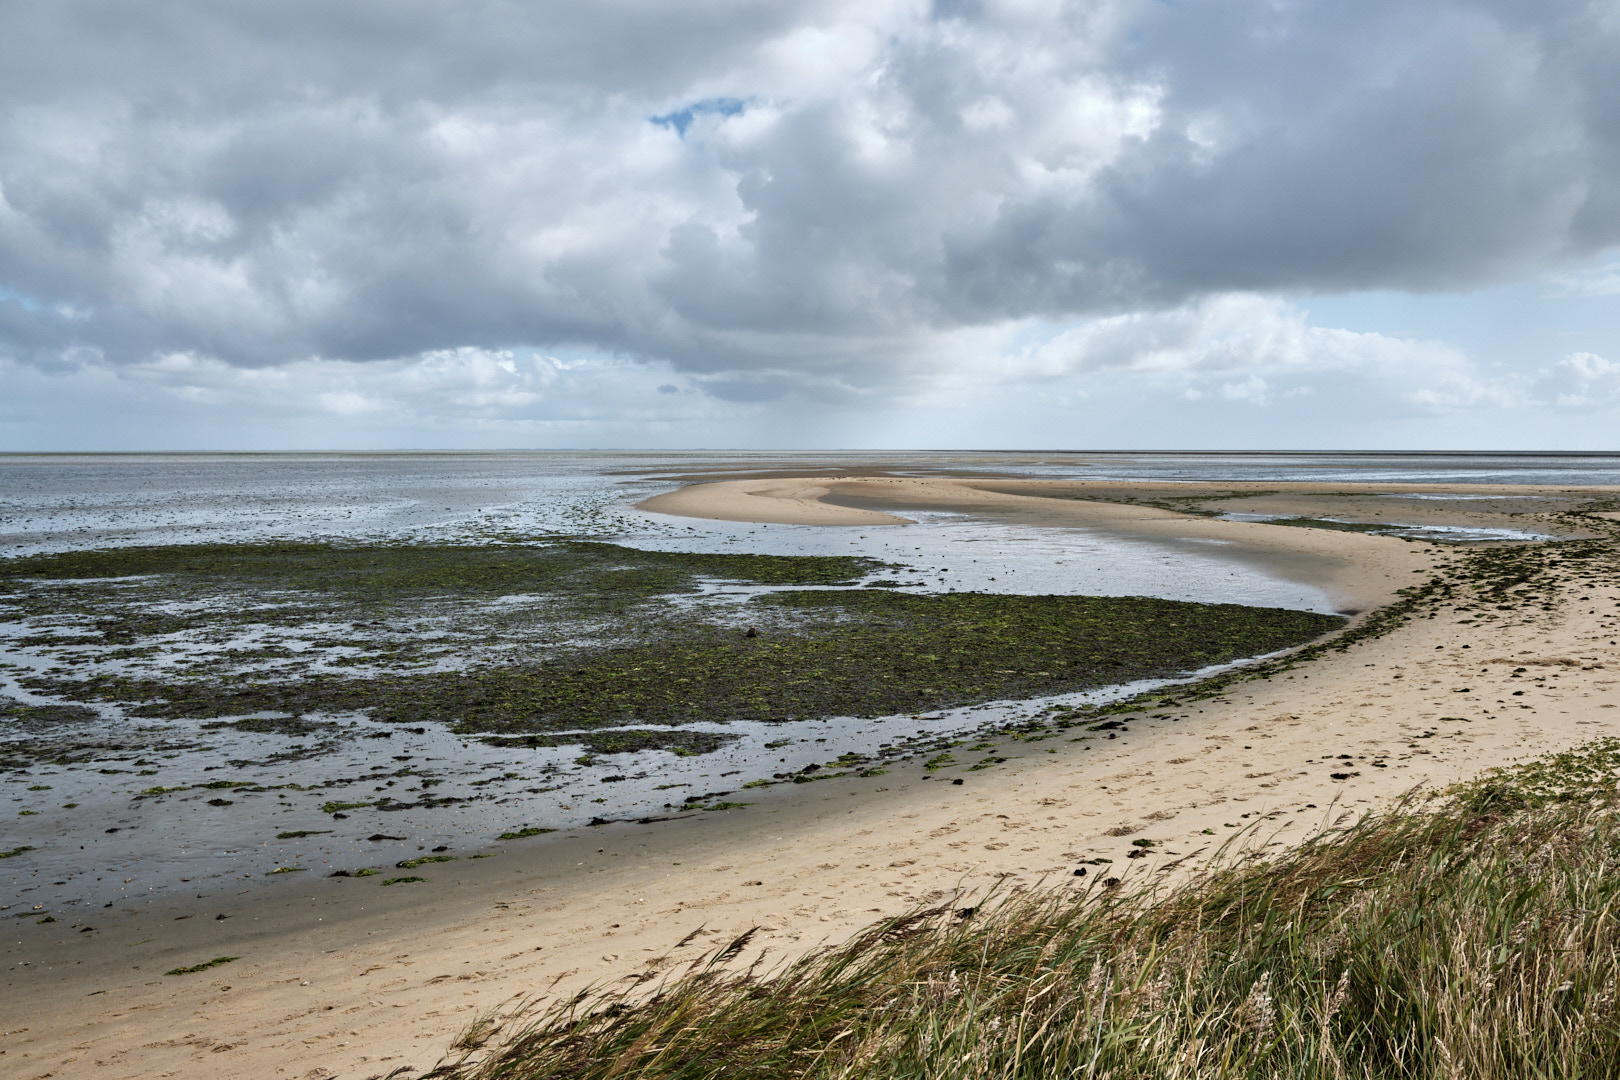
(370, 570)
(621, 742)
(194, 968)
(852, 652)
(412, 864)
(20, 716)
(272, 725)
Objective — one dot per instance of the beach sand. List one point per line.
(343, 978)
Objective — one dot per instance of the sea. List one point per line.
(82, 834)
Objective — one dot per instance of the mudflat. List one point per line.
(1490, 655)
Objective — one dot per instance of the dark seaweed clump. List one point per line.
(622, 742)
(55, 734)
(295, 726)
(22, 717)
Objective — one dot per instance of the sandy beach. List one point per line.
(341, 978)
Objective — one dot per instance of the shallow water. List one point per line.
(945, 552)
(1450, 534)
(118, 844)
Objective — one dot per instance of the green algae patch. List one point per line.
(586, 568)
(218, 961)
(14, 852)
(214, 785)
(412, 864)
(520, 834)
(336, 807)
(402, 880)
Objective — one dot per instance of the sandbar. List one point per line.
(1359, 570)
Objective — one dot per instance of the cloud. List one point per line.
(499, 389)
(1258, 349)
(1597, 281)
(825, 199)
(1581, 381)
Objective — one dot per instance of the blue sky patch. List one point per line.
(681, 119)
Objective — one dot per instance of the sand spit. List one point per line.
(347, 978)
(1360, 570)
(1156, 508)
(787, 501)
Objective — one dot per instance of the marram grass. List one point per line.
(1475, 934)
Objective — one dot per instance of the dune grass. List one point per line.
(1474, 934)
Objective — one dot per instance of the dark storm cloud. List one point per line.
(1373, 145)
(768, 196)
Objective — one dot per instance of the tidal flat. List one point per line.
(235, 711)
(374, 940)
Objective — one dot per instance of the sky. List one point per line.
(1101, 224)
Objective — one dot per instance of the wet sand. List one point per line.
(343, 977)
